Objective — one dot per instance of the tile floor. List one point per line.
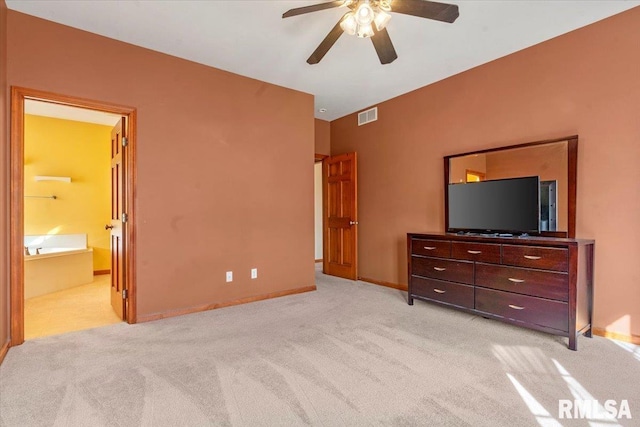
(82, 307)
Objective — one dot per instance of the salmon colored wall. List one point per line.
(322, 135)
(81, 151)
(4, 181)
(585, 82)
(224, 179)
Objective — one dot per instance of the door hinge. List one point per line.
(125, 217)
(125, 141)
(125, 294)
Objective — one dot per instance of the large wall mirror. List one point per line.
(554, 161)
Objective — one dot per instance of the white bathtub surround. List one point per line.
(49, 251)
(77, 241)
(64, 262)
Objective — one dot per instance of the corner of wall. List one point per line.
(322, 137)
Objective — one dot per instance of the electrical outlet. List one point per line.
(254, 273)
(229, 276)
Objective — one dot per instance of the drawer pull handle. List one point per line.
(439, 268)
(440, 291)
(511, 279)
(429, 248)
(474, 252)
(532, 257)
(516, 307)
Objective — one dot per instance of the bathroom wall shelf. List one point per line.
(53, 178)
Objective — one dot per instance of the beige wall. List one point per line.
(224, 179)
(4, 181)
(585, 82)
(322, 137)
(317, 168)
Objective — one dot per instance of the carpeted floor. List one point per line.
(351, 354)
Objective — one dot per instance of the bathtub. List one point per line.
(56, 268)
(40, 253)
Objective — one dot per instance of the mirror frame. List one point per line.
(572, 172)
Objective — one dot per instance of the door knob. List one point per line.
(353, 222)
(108, 227)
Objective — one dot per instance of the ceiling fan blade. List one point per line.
(326, 44)
(312, 8)
(384, 47)
(427, 9)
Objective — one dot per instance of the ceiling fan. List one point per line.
(369, 18)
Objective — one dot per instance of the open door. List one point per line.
(340, 216)
(118, 219)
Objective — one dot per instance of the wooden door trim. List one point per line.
(16, 197)
(320, 157)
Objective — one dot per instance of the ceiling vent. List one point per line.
(371, 115)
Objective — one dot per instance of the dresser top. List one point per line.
(492, 238)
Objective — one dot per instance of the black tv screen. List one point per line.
(503, 205)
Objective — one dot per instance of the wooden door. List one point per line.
(118, 300)
(340, 216)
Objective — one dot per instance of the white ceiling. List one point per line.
(250, 38)
(47, 109)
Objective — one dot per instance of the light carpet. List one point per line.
(351, 354)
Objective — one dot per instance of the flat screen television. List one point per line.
(498, 206)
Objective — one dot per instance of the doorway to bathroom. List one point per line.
(72, 187)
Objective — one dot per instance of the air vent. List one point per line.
(371, 115)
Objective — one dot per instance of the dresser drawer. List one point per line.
(436, 248)
(484, 252)
(538, 311)
(536, 257)
(451, 293)
(443, 269)
(545, 284)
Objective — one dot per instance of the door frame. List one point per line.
(318, 158)
(16, 197)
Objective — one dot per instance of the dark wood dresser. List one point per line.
(541, 283)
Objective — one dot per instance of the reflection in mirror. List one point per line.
(475, 176)
(552, 161)
(549, 205)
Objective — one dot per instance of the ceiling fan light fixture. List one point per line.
(381, 20)
(385, 5)
(365, 31)
(349, 24)
(364, 14)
